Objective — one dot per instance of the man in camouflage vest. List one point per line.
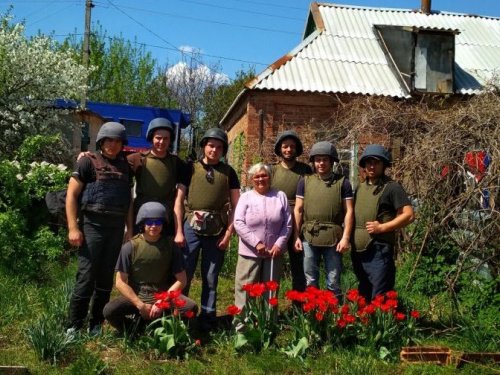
(212, 193)
(381, 207)
(324, 217)
(286, 174)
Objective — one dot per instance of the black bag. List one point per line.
(56, 202)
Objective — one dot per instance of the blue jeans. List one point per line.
(375, 269)
(333, 266)
(212, 259)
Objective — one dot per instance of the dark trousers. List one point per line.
(212, 259)
(296, 266)
(94, 279)
(375, 269)
(122, 314)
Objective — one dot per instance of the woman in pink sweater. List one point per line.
(263, 222)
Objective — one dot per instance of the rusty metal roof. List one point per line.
(343, 53)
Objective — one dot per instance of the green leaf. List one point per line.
(240, 340)
(383, 352)
(298, 348)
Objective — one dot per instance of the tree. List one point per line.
(124, 72)
(218, 99)
(33, 74)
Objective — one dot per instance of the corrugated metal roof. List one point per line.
(346, 57)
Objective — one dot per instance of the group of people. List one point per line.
(180, 212)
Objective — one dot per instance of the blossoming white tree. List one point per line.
(33, 74)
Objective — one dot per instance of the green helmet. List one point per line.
(215, 133)
(160, 123)
(151, 210)
(113, 130)
(288, 134)
(323, 148)
(376, 152)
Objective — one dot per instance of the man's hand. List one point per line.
(298, 246)
(155, 312)
(180, 240)
(75, 237)
(145, 311)
(374, 227)
(223, 243)
(343, 245)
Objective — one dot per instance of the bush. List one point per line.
(26, 242)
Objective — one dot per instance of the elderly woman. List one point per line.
(263, 222)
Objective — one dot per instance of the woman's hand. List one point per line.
(274, 252)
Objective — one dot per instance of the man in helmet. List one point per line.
(381, 207)
(148, 264)
(213, 187)
(324, 217)
(100, 188)
(157, 172)
(286, 174)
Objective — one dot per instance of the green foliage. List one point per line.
(88, 362)
(124, 71)
(26, 242)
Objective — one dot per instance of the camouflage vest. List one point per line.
(286, 180)
(207, 201)
(323, 210)
(150, 266)
(156, 181)
(366, 208)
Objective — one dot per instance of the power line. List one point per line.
(241, 10)
(269, 4)
(204, 20)
(176, 49)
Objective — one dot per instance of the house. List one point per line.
(348, 52)
(135, 119)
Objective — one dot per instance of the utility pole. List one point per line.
(86, 44)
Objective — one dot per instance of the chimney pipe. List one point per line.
(426, 7)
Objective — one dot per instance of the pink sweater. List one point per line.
(262, 218)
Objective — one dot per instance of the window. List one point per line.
(133, 127)
(423, 57)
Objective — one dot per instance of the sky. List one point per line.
(229, 35)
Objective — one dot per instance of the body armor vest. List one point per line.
(323, 210)
(286, 180)
(156, 181)
(109, 194)
(150, 266)
(366, 208)
(207, 202)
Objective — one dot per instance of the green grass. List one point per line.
(22, 304)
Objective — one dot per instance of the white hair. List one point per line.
(257, 168)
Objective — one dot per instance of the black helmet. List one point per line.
(376, 152)
(151, 210)
(160, 123)
(215, 133)
(323, 148)
(113, 130)
(288, 134)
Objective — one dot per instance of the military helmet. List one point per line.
(151, 210)
(376, 152)
(113, 130)
(215, 133)
(323, 148)
(288, 134)
(160, 123)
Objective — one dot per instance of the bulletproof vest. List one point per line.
(367, 208)
(286, 180)
(156, 180)
(205, 195)
(109, 194)
(150, 268)
(323, 210)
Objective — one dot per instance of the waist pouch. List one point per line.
(207, 223)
